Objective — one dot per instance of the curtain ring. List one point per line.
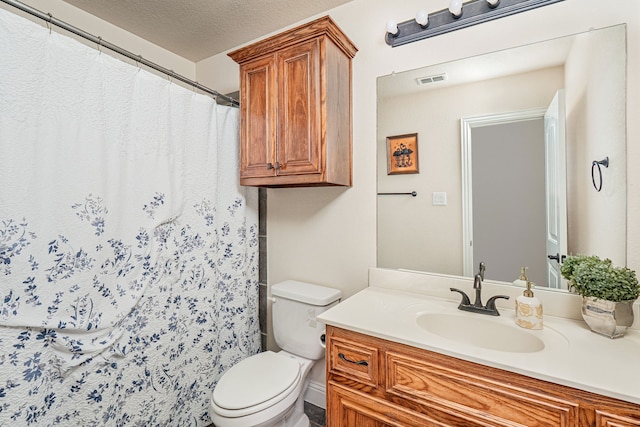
(596, 165)
(99, 44)
(48, 21)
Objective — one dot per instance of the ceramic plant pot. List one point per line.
(607, 318)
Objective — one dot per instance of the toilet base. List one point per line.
(295, 417)
(290, 421)
(303, 421)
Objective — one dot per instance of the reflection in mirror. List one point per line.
(481, 188)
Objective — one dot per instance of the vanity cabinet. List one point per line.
(295, 108)
(374, 382)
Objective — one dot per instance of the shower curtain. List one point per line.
(128, 250)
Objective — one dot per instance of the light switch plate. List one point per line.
(439, 198)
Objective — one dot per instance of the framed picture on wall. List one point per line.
(402, 154)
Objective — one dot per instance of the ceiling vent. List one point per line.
(431, 79)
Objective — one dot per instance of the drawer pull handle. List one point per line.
(361, 362)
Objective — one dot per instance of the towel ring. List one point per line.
(596, 165)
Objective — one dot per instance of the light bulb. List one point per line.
(455, 7)
(422, 18)
(493, 3)
(392, 27)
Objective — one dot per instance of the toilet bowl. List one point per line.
(267, 389)
(261, 391)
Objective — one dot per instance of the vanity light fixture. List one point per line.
(455, 7)
(422, 18)
(392, 28)
(457, 16)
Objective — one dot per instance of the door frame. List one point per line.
(467, 124)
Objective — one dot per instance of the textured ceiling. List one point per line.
(198, 29)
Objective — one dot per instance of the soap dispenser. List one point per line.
(528, 309)
(522, 281)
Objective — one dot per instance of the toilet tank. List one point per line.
(294, 310)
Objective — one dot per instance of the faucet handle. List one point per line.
(465, 298)
(491, 303)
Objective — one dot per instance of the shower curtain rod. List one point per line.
(102, 43)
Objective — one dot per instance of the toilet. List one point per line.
(267, 389)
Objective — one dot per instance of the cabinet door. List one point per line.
(299, 139)
(351, 409)
(258, 118)
(608, 418)
(450, 385)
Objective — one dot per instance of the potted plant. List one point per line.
(608, 292)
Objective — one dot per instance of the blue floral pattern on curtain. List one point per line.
(128, 250)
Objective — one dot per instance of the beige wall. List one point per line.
(595, 95)
(328, 235)
(413, 233)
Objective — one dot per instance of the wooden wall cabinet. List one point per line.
(295, 108)
(377, 383)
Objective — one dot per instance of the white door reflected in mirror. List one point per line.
(556, 189)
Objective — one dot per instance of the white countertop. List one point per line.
(573, 355)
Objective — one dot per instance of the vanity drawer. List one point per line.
(353, 360)
(450, 385)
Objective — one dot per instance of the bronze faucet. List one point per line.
(477, 306)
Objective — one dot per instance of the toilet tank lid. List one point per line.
(306, 292)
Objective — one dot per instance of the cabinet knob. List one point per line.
(275, 166)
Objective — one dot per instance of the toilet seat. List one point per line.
(256, 383)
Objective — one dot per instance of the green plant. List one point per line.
(591, 276)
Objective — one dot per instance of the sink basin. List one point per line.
(482, 332)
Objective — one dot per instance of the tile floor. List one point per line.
(316, 415)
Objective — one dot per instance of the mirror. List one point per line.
(477, 116)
